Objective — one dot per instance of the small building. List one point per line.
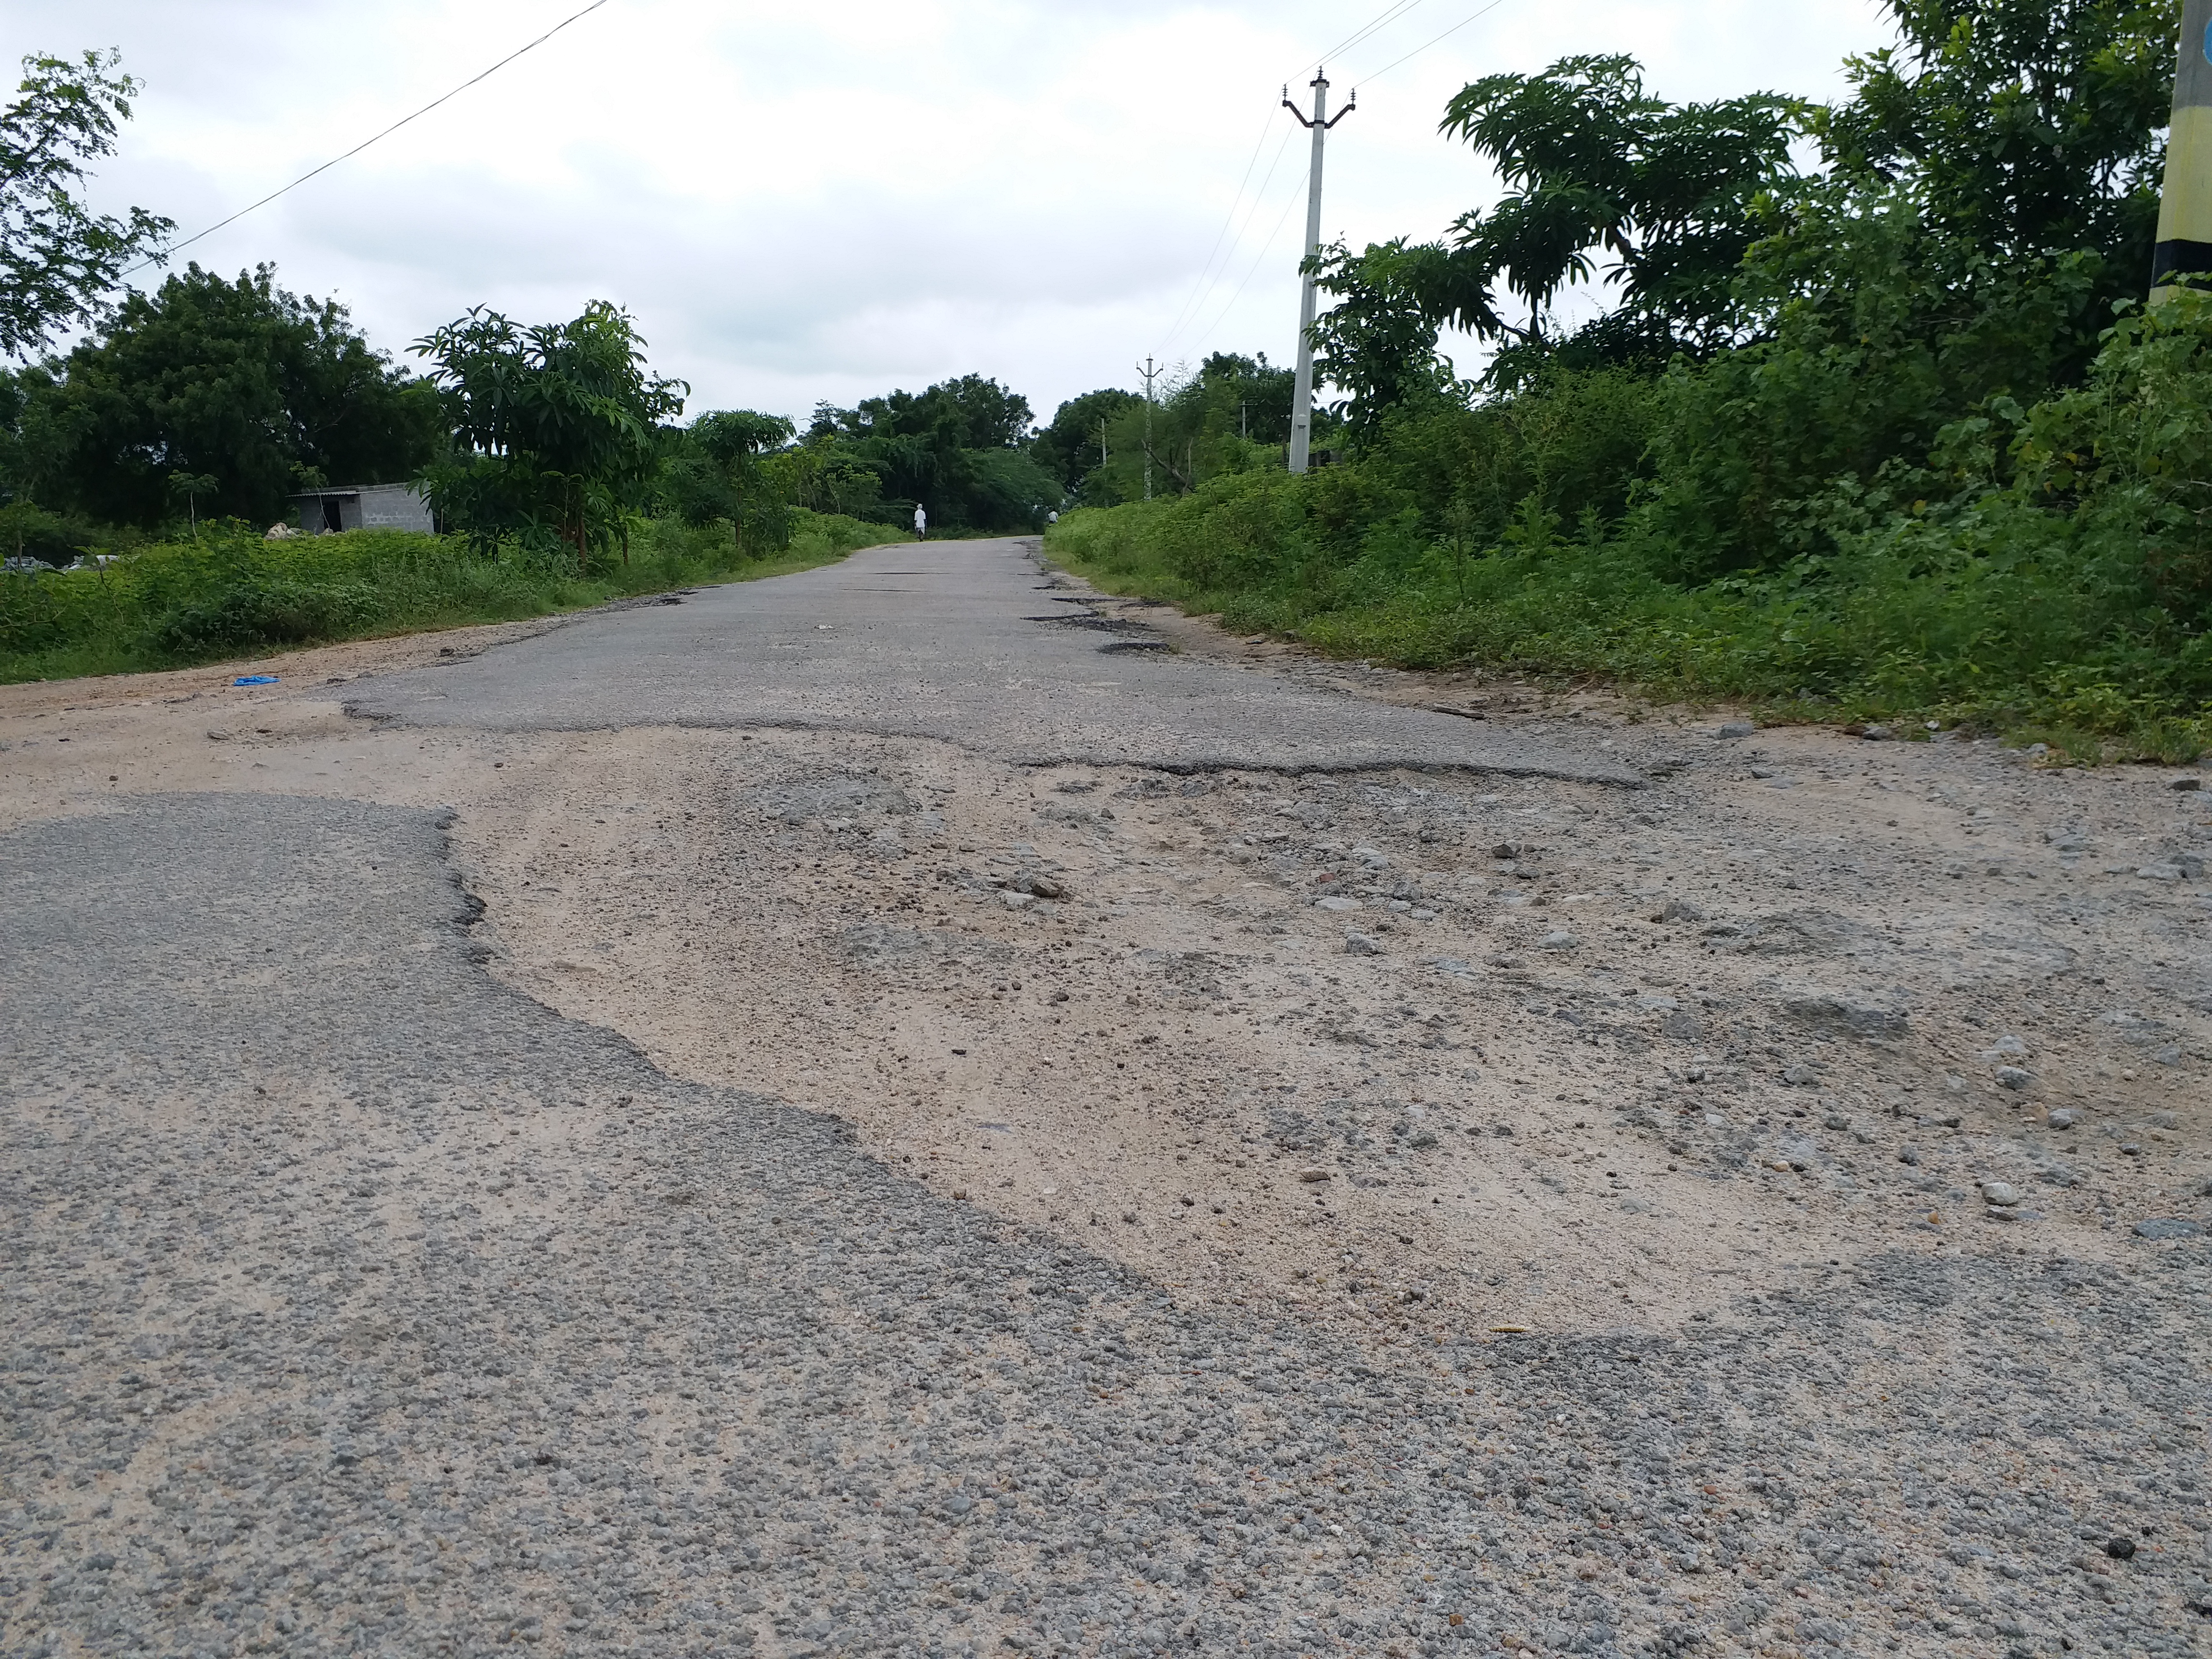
(364, 507)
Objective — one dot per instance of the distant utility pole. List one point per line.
(1302, 393)
(1148, 371)
(1101, 445)
(2185, 215)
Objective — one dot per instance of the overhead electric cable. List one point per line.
(1259, 198)
(1273, 236)
(1376, 74)
(366, 143)
(1236, 201)
(1208, 279)
(1388, 17)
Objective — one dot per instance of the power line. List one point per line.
(1207, 279)
(1203, 291)
(1237, 242)
(1378, 74)
(1390, 16)
(1273, 235)
(1236, 201)
(366, 143)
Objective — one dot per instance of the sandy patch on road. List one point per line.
(1791, 1005)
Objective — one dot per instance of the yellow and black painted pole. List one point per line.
(2184, 213)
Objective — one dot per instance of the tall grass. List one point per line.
(227, 592)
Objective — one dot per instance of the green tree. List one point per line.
(57, 259)
(188, 488)
(823, 473)
(1991, 194)
(972, 412)
(14, 399)
(556, 428)
(958, 448)
(2020, 126)
(1657, 200)
(241, 382)
(1594, 165)
(1230, 414)
(1068, 448)
(715, 472)
(1233, 395)
(1378, 344)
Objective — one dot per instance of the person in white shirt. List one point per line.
(921, 522)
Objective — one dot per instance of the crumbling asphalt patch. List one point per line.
(359, 1304)
(823, 651)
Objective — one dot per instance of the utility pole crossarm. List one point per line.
(1328, 126)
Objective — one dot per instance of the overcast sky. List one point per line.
(808, 201)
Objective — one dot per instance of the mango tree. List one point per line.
(557, 429)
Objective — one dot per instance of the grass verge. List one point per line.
(1891, 636)
(230, 594)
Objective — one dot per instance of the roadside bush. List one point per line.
(1884, 332)
(2040, 568)
(255, 614)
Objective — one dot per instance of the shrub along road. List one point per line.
(879, 1111)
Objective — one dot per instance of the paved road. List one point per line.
(357, 1304)
(965, 642)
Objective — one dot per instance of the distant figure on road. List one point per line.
(920, 522)
(1052, 517)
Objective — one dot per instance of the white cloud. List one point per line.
(823, 202)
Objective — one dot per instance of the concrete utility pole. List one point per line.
(2185, 215)
(1302, 393)
(1148, 372)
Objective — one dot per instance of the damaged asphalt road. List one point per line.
(505, 1171)
(954, 651)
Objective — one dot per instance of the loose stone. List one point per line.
(2160, 1228)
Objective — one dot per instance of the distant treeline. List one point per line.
(211, 397)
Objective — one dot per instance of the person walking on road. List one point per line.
(921, 522)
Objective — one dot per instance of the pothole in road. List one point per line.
(1182, 1035)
